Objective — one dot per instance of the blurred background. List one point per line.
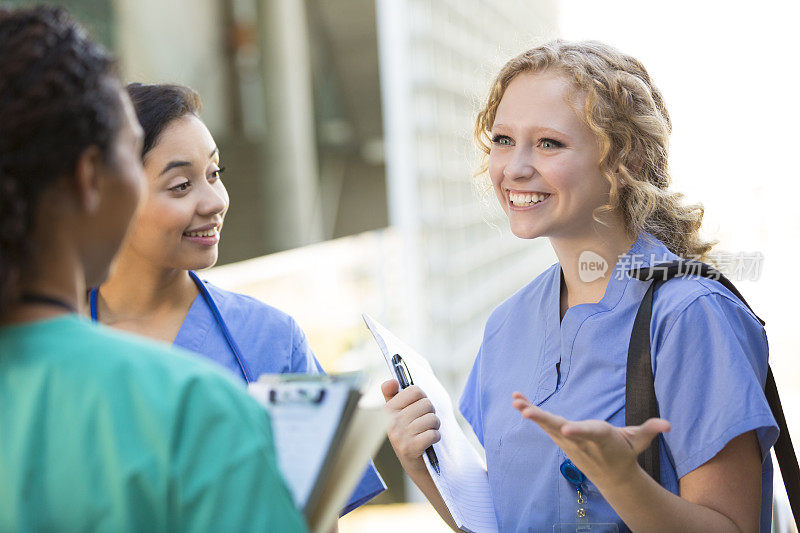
(345, 127)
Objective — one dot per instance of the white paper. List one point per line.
(363, 437)
(302, 431)
(463, 482)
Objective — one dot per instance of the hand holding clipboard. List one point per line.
(457, 469)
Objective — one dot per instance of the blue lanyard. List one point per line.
(212, 306)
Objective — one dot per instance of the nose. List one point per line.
(520, 165)
(214, 200)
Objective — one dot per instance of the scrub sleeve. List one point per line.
(710, 366)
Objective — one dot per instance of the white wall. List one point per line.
(178, 41)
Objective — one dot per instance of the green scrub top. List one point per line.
(105, 431)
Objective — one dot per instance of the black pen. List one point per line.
(404, 378)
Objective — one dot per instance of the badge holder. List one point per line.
(582, 524)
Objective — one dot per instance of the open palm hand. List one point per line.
(606, 454)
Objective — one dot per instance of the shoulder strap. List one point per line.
(640, 390)
(640, 397)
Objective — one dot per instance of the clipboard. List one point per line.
(461, 478)
(323, 440)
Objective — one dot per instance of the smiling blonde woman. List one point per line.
(575, 137)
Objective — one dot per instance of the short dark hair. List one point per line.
(157, 105)
(59, 94)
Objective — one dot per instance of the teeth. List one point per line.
(525, 199)
(208, 233)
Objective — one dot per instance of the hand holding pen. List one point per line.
(404, 378)
(415, 426)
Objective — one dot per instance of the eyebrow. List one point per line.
(536, 128)
(174, 164)
(177, 164)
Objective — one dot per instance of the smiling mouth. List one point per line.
(526, 199)
(213, 232)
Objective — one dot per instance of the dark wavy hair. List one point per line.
(157, 105)
(59, 94)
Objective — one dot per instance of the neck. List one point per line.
(54, 273)
(607, 242)
(137, 289)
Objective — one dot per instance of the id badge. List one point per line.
(587, 527)
(582, 523)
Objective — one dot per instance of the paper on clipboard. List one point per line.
(363, 437)
(309, 414)
(463, 482)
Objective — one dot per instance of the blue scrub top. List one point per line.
(709, 360)
(270, 341)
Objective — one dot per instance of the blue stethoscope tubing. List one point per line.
(212, 306)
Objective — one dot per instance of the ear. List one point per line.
(636, 164)
(88, 179)
(618, 175)
(633, 164)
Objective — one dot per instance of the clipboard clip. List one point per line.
(297, 395)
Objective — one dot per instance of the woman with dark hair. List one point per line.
(100, 430)
(153, 289)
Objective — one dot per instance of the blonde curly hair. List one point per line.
(627, 114)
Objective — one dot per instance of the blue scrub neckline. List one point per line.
(562, 332)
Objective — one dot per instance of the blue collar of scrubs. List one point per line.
(212, 306)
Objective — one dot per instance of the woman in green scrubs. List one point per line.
(100, 430)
